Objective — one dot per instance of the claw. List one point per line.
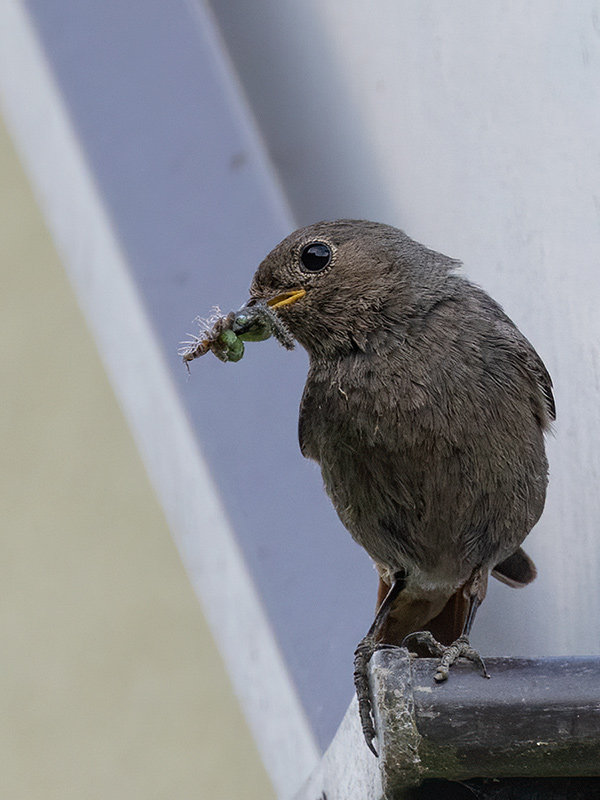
(362, 656)
(448, 654)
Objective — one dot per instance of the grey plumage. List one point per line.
(424, 405)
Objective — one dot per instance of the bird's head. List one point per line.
(334, 283)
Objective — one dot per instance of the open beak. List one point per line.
(286, 299)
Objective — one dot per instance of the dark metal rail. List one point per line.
(535, 719)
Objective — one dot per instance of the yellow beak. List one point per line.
(286, 299)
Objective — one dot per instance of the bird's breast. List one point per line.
(419, 477)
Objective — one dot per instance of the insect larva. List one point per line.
(225, 335)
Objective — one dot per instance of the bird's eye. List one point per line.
(315, 257)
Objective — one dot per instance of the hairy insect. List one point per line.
(225, 335)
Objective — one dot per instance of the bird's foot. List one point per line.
(447, 654)
(362, 656)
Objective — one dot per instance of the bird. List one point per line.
(426, 409)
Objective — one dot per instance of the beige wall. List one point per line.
(111, 686)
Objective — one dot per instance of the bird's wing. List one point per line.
(534, 366)
(523, 355)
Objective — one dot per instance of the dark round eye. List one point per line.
(315, 257)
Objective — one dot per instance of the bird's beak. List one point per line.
(286, 299)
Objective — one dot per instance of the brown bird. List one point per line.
(426, 409)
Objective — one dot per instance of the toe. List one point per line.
(423, 640)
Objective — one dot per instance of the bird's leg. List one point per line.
(449, 654)
(362, 656)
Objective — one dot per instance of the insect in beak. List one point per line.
(286, 299)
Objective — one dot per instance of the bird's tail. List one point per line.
(517, 570)
(445, 617)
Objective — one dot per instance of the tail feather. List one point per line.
(449, 623)
(517, 570)
(444, 617)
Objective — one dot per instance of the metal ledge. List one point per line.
(536, 719)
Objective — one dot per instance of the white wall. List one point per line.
(475, 127)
